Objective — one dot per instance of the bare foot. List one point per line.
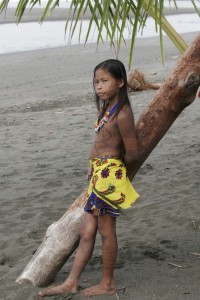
(99, 289)
(57, 290)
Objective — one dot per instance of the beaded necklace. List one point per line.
(100, 122)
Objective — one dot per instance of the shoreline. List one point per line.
(67, 56)
(59, 14)
(32, 35)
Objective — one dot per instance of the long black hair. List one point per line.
(117, 70)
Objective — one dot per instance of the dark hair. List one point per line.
(117, 70)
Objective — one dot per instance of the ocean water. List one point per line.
(33, 36)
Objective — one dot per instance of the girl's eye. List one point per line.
(104, 80)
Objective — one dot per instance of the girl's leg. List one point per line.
(87, 239)
(107, 230)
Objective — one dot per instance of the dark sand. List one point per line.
(46, 129)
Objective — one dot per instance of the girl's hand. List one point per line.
(130, 177)
(89, 173)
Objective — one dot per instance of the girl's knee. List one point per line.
(107, 226)
(88, 233)
(88, 227)
(87, 236)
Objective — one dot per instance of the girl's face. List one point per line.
(106, 86)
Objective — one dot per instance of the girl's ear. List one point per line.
(120, 83)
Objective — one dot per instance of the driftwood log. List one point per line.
(62, 237)
(137, 82)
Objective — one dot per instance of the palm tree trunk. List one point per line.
(178, 91)
(62, 237)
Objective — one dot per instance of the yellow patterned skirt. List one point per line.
(110, 189)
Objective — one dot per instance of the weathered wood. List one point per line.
(60, 241)
(178, 91)
(137, 82)
(62, 237)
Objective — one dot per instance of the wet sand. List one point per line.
(46, 128)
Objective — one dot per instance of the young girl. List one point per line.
(113, 155)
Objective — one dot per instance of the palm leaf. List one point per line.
(3, 6)
(113, 17)
(165, 25)
(94, 18)
(196, 8)
(46, 10)
(134, 32)
(19, 12)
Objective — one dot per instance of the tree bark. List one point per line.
(178, 91)
(62, 237)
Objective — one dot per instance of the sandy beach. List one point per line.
(46, 130)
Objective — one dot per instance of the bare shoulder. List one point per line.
(125, 114)
(125, 122)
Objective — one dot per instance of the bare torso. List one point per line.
(108, 141)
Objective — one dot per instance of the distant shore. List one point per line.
(60, 14)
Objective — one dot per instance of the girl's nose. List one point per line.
(98, 87)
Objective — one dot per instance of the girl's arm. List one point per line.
(125, 122)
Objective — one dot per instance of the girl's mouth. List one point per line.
(101, 94)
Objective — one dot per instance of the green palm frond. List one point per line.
(113, 17)
(156, 13)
